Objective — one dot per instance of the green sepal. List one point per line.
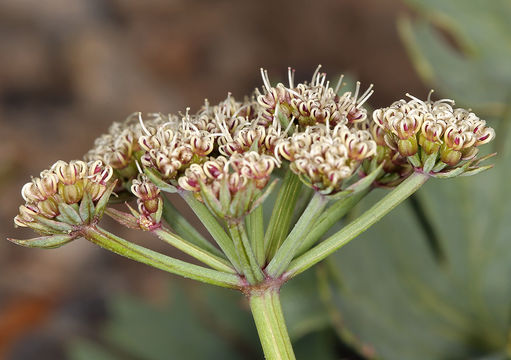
(54, 227)
(103, 201)
(415, 160)
(477, 161)
(439, 166)
(449, 174)
(477, 170)
(467, 167)
(69, 214)
(429, 162)
(159, 211)
(86, 209)
(45, 242)
(210, 200)
(41, 228)
(123, 218)
(156, 179)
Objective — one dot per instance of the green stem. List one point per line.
(183, 228)
(255, 228)
(249, 264)
(214, 228)
(271, 326)
(282, 213)
(329, 218)
(152, 258)
(294, 240)
(194, 251)
(359, 225)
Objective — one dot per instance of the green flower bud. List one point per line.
(408, 147)
(449, 156)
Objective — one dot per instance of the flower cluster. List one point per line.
(225, 154)
(432, 131)
(230, 186)
(119, 147)
(313, 103)
(149, 203)
(323, 158)
(67, 195)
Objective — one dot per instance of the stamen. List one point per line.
(339, 84)
(315, 73)
(429, 95)
(289, 126)
(139, 167)
(414, 98)
(357, 89)
(142, 124)
(291, 77)
(266, 80)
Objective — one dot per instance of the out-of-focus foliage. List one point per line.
(476, 71)
(390, 295)
(206, 322)
(398, 299)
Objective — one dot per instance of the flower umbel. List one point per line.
(230, 187)
(62, 199)
(435, 137)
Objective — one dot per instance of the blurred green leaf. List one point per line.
(393, 299)
(476, 70)
(153, 333)
(303, 310)
(318, 346)
(85, 350)
(204, 322)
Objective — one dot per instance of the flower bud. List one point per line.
(449, 156)
(408, 147)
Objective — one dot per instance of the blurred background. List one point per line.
(69, 68)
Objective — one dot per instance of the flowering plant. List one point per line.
(317, 141)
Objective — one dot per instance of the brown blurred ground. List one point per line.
(68, 68)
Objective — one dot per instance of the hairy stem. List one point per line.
(359, 225)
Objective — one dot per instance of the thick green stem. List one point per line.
(359, 225)
(215, 229)
(138, 253)
(294, 240)
(194, 251)
(183, 228)
(271, 325)
(282, 213)
(328, 219)
(249, 264)
(255, 228)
